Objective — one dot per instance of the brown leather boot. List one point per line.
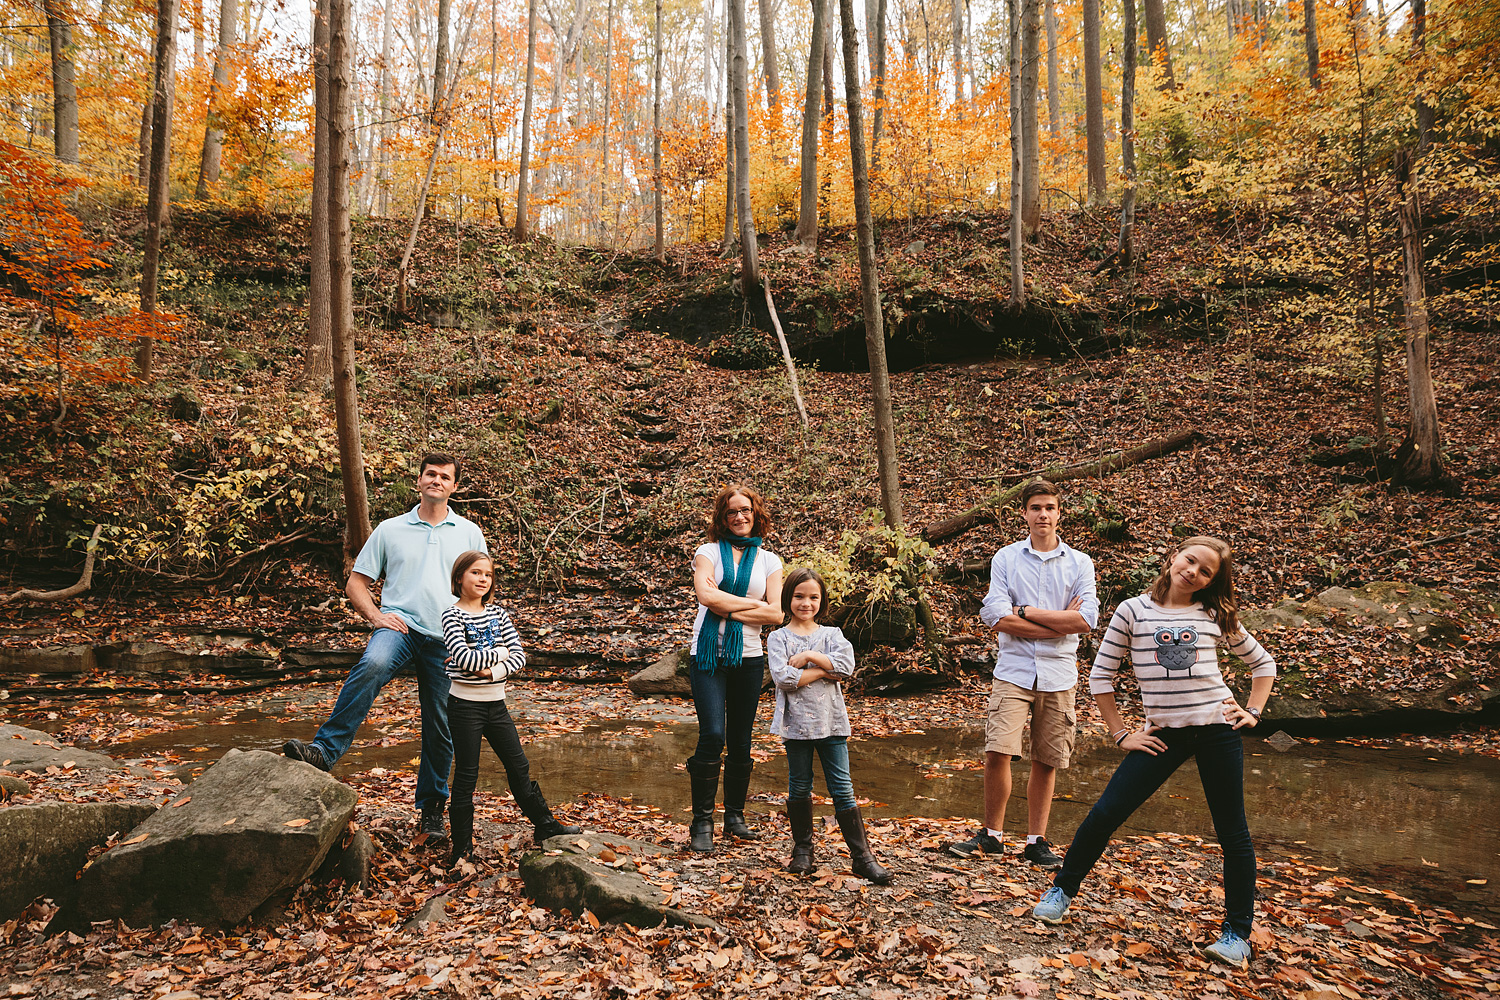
(861, 859)
(799, 813)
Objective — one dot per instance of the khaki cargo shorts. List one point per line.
(1054, 722)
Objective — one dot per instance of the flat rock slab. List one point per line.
(669, 675)
(23, 750)
(253, 825)
(45, 845)
(599, 872)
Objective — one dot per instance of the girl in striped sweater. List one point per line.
(483, 651)
(1170, 635)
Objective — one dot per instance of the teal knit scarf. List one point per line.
(728, 650)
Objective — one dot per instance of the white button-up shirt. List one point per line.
(1020, 574)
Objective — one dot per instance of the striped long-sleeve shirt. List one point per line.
(485, 642)
(1172, 651)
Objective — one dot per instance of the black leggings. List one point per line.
(471, 720)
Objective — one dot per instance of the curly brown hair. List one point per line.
(1218, 596)
(718, 524)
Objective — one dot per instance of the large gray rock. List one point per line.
(349, 859)
(24, 750)
(254, 824)
(45, 845)
(1327, 688)
(12, 785)
(597, 872)
(46, 659)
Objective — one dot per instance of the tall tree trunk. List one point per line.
(213, 136)
(1093, 94)
(1127, 138)
(494, 129)
(869, 279)
(522, 185)
(877, 43)
(807, 206)
(341, 286)
(159, 186)
(749, 252)
(143, 166)
(387, 41)
(661, 230)
(440, 59)
(768, 44)
(1017, 161)
(1310, 30)
(958, 51)
(1419, 458)
(729, 185)
(197, 16)
(1377, 350)
(1054, 88)
(64, 89)
(1156, 39)
(317, 350)
(1031, 177)
(609, 77)
(1426, 113)
(566, 47)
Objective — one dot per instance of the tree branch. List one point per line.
(85, 580)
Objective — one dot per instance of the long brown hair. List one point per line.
(1218, 596)
(461, 566)
(718, 524)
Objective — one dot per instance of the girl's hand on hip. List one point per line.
(1144, 741)
(1237, 716)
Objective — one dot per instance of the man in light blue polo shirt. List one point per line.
(1042, 597)
(414, 555)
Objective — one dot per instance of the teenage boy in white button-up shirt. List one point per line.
(1042, 597)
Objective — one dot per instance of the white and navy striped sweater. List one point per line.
(1172, 651)
(481, 642)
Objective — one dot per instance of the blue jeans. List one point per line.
(387, 654)
(1221, 769)
(725, 701)
(833, 751)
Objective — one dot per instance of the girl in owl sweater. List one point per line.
(1170, 635)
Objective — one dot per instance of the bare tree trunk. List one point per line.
(877, 43)
(1031, 177)
(197, 16)
(64, 89)
(143, 167)
(1156, 39)
(440, 58)
(729, 185)
(387, 41)
(768, 44)
(1054, 88)
(869, 279)
(494, 130)
(958, 51)
(749, 254)
(1127, 139)
(317, 351)
(1310, 30)
(1426, 113)
(1377, 350)
(609, 76)
(522, 210)
(1093, 93)
(1017, 162)
(1419, 458)
(807, 207)
(345, 390)
(661, 230)
(159, 187)
(213, 136)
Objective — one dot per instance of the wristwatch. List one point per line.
(1021, 610)
(1253, 711)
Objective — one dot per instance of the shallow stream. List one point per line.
(1422, 820)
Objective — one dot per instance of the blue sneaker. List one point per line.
(1231, 949)
(1054, 904)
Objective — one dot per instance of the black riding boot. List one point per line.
(461, 822)
(704, 776)
(861, 859)
(799, 813)
(736, 785)
(544, 824)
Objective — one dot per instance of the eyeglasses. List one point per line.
(735, 512)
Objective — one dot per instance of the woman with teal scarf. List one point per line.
(738, 585)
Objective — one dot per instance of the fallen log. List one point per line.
(941, 531)
(85, 579)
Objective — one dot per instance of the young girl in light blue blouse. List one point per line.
(809, 662)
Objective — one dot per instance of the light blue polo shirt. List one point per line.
(416, 561)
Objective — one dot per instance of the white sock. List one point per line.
(994, 833)
(1032, 838)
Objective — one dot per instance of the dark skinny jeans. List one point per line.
(725, 701)
(1221, 769)
(472, 721)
